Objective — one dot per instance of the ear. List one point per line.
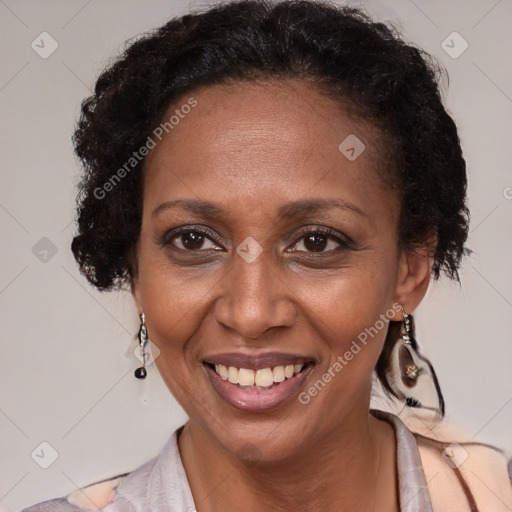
(413, 277)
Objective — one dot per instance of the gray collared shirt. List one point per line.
(161, 485)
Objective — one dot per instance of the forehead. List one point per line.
(264, 143)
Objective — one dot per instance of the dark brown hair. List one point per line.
(391, 83)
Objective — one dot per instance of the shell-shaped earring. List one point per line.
(141, 372)
(410, 376)
(409, 371)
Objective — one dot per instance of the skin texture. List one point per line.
(253, 148)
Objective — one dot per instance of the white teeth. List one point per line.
(233, 375)
(222, 371)
(245, 377)
(278, 373)
(263, 378)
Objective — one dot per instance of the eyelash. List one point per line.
(345, 243)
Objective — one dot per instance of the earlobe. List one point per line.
(415, 267)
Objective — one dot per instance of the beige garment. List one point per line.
(445, 448)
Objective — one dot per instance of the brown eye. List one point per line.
(192, 240)
(321, 240)
(189, 240)
(315, 242)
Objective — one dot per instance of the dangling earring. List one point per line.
(409, 371)
(141, 372)
(406, 373)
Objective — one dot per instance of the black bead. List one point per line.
(141, 373)
(412, 402)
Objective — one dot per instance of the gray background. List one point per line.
(66, 356)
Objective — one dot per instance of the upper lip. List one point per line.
(257, 362)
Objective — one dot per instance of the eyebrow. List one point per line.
(297, 208)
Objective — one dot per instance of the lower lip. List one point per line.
(257, 400)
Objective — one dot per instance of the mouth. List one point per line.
(257, 385)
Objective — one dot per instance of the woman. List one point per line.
(277, 184)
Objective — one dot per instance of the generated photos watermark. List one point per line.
(354, 349)
(143, 151)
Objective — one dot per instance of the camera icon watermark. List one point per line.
(44, 250)
(454, 45)
(351, 147)
(249, 250)
(44, 455)
(454, 455)
(44, 45)
(507, 192)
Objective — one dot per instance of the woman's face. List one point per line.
(288, 256)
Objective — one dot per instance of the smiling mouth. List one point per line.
(259, 379)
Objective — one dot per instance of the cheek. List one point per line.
(172, 319)
(350, 314)
(348, 302)
(173, 308)
(175, 303)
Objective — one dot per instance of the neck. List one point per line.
(351, 468)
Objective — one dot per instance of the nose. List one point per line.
(254, 298)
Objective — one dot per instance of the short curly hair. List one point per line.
(358, 61)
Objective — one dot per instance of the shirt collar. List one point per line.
(161, 484)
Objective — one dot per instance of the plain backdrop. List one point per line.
(66, 355)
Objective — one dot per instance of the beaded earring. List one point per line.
(141, 372)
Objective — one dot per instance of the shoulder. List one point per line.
(460, 471)
(114, 494)
(57, 505)
(92, 497)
